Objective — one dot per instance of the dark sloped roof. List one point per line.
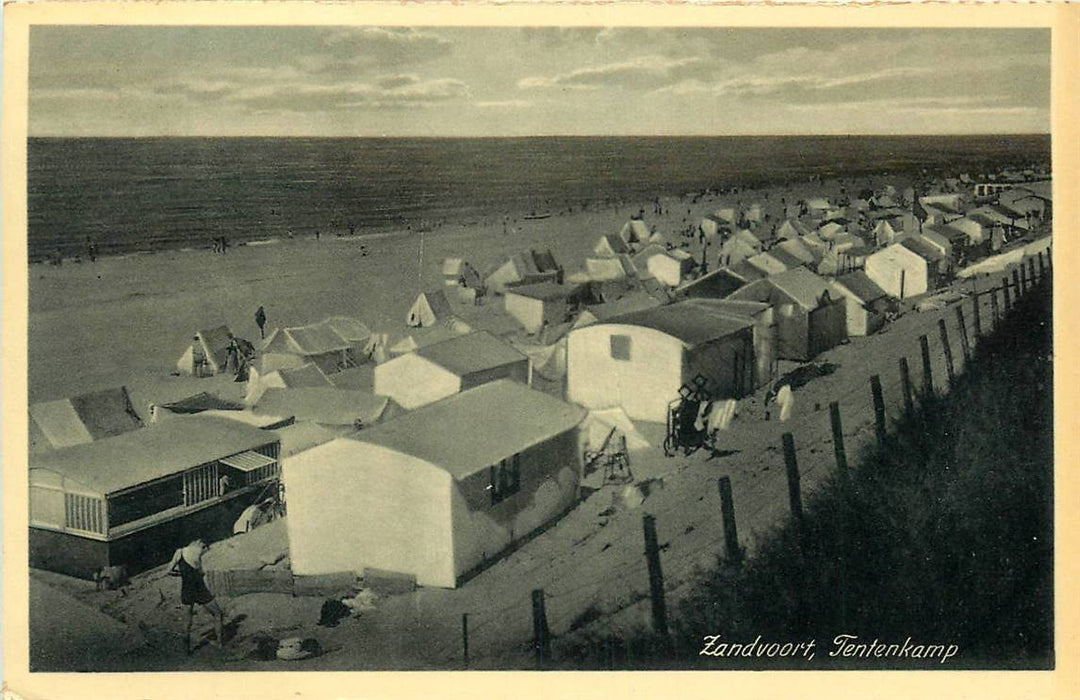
(545, 291)
(789, 260)
(716, 284)
(475, 429)
(471, 353)
(203, 401)
(922, 248)
(862, 286)
(802, 285)
(689, 322)
(107, 412)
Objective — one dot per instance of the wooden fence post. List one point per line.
(540, 627)
(1005, 294)
(465, 639)
(964, 345)
(879, 410)
(976, 318)
(1031, 271)
(1042, 266)
(1023, 278)
(727, 512)
(1017, 291)
(905, 382)
(993, 308)
(656, 577)
(927, 373)
(949, 369)
(794, 489)
(838, 440)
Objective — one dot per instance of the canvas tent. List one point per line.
(428, 309)
(899, 271)
(437, 493)
(635, 231)
(609, 246)
(328, 406)
(307, 375)
(536, 306)
(207, 354)
(866, 303)
(83, 418)
(319, 343)
(436, 371)
(527, 267)
(609, 269)
(809, 319)
(671, 268)
(740, 246)
(459, 273)
(714, 285)
(762, 316)
(638, 361)
(791, 228)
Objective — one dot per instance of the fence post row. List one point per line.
(727, 512)
(656, 577)
(465, 639)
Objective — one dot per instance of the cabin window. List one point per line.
(505, 479)
(146, 501)
(84, 513)
(201, 484)
(620, 347)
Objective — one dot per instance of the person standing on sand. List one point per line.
(187, 564)
(260, 320)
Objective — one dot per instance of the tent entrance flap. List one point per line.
(248, 461)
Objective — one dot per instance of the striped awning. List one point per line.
(248, 461)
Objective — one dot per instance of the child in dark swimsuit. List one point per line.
(187, 564)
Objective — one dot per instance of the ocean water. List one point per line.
(157, 193)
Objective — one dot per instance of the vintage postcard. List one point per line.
(689, 341)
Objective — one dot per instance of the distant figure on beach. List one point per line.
(316, 234)
(187, 564)
(260, 320)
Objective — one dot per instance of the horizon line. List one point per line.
(531, 136)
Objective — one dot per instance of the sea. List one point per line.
(142, 194)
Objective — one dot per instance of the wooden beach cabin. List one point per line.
(439, 492)
(527, 267)
(132, 499)
(639, 360)
(867, 303)
(809, 319)
(436, 371)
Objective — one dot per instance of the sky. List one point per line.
(522, 81)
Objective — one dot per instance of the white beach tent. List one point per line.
(609, 269)
(609, 246)
(671, 268)
(428, 309)
(635, 231)
(212, 345)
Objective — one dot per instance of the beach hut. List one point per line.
(327, 406)
(459, 273)
(791, 228)
(318, 343)
(712, 226)
(207, 354)
(538, 305)
(799, 249)
(638, 361)
(809, 318)
(83, 418)
(635, 231)
(726, 216)
(978, 229)
(527, 267)
(748, 272)
(762, 316)
(766, 263)
(754, 214)
(428, 309)
(938, 263)
(714, 285)
(899, 271)
(739, 247)
(884, 234)
(671, 268)
(867, 303)
(610, 269)
(787, 259)
(438, 493)
(132, 499)
(817, 206)
(308, 375)
(609, 246)
(436, 371)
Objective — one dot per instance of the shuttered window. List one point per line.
(201, 484)
(84, 513)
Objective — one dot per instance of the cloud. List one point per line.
(394, 92)
(386, 46)
(643, 72)
(504, 104)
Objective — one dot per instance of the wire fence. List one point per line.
(598, 599)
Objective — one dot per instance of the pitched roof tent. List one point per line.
(802, 285)
(428, 309)
(328, 405)
(86, 417)
(469, 432)
(544, 291)
(859, 284)
(160, 450)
